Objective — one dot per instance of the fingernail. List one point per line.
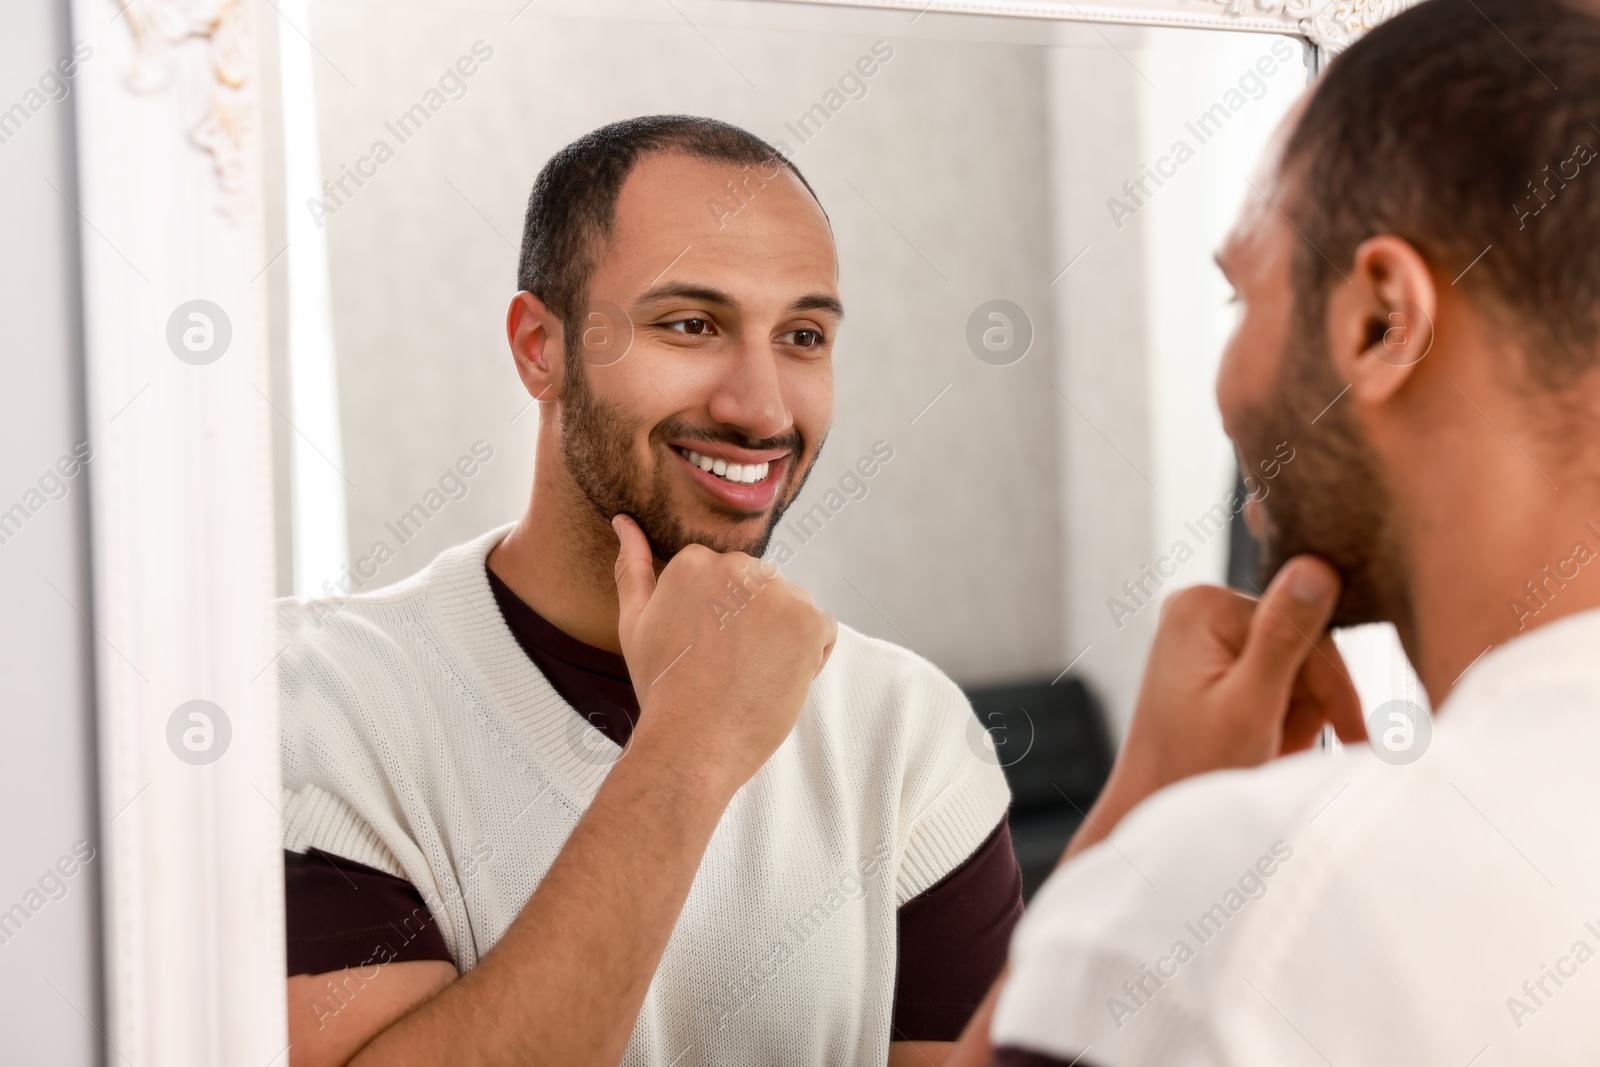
(1310, 585)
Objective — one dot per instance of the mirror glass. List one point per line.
(1025, 214)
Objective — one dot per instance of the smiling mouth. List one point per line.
(733, 473)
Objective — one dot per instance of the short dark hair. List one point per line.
(573, 205)
(1450, 126)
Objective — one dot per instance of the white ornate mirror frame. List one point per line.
(174, 195)
(1330, 25)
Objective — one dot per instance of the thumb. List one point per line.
(1288, 620)
(635, 573)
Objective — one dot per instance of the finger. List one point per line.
(1340, 700)
(1323, 695)
(832, 628)
(635, 574)
(1301, 728)
(1204, 616)
(1286, 625)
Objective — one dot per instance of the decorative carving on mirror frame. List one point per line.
(199, 47)
(1331, 25)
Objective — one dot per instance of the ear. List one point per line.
(536, 345)
(1381, 324)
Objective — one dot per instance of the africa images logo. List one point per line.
(1398, 731)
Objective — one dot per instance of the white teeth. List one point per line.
(744, 474)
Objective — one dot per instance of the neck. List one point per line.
(1503, 538)
(559, 558)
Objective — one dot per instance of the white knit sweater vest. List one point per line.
(418, 738)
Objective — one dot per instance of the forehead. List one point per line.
(1261, 235)
(1257, 231)
(679, 212)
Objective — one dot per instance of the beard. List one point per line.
(597, 444)
(1330, 499)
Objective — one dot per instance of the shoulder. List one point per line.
(893, 699)
(358, 672)
(908, 689)
(367, 684)
(336, 650)
(343, 646)
(1185, 845)
(1201, 876)
(351, 700)
(907, 718)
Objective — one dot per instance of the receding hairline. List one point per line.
(601, 243)
(680, 153)
(571, 209)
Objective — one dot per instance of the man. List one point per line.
(558, 801)
(1419, 278)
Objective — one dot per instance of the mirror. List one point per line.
(1023, 428)
(1025, 213)
(1025, 454)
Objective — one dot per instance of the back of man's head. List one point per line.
(1470, 128)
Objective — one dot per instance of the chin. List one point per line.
(748, 535)
(1358, 607)
(1359, 601)
(729, 540)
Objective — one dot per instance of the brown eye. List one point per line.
(804, 338)
(693, 327)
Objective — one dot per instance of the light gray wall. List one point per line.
(1101, 353)
(49, 969)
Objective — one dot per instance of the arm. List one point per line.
(951, 942)
(566, 982)
(331, 1015)
(919, 1053)
(583, 948)
(1231, 682)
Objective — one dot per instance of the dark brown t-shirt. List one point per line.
(952, 937)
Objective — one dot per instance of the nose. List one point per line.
(749, 392)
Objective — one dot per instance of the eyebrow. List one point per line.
(819, 302)
(707, 294)
(686, 291)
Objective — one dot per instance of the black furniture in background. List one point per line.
(1244, 553)
(1053, 743)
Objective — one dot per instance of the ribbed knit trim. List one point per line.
(951, 829)
(313, 818)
